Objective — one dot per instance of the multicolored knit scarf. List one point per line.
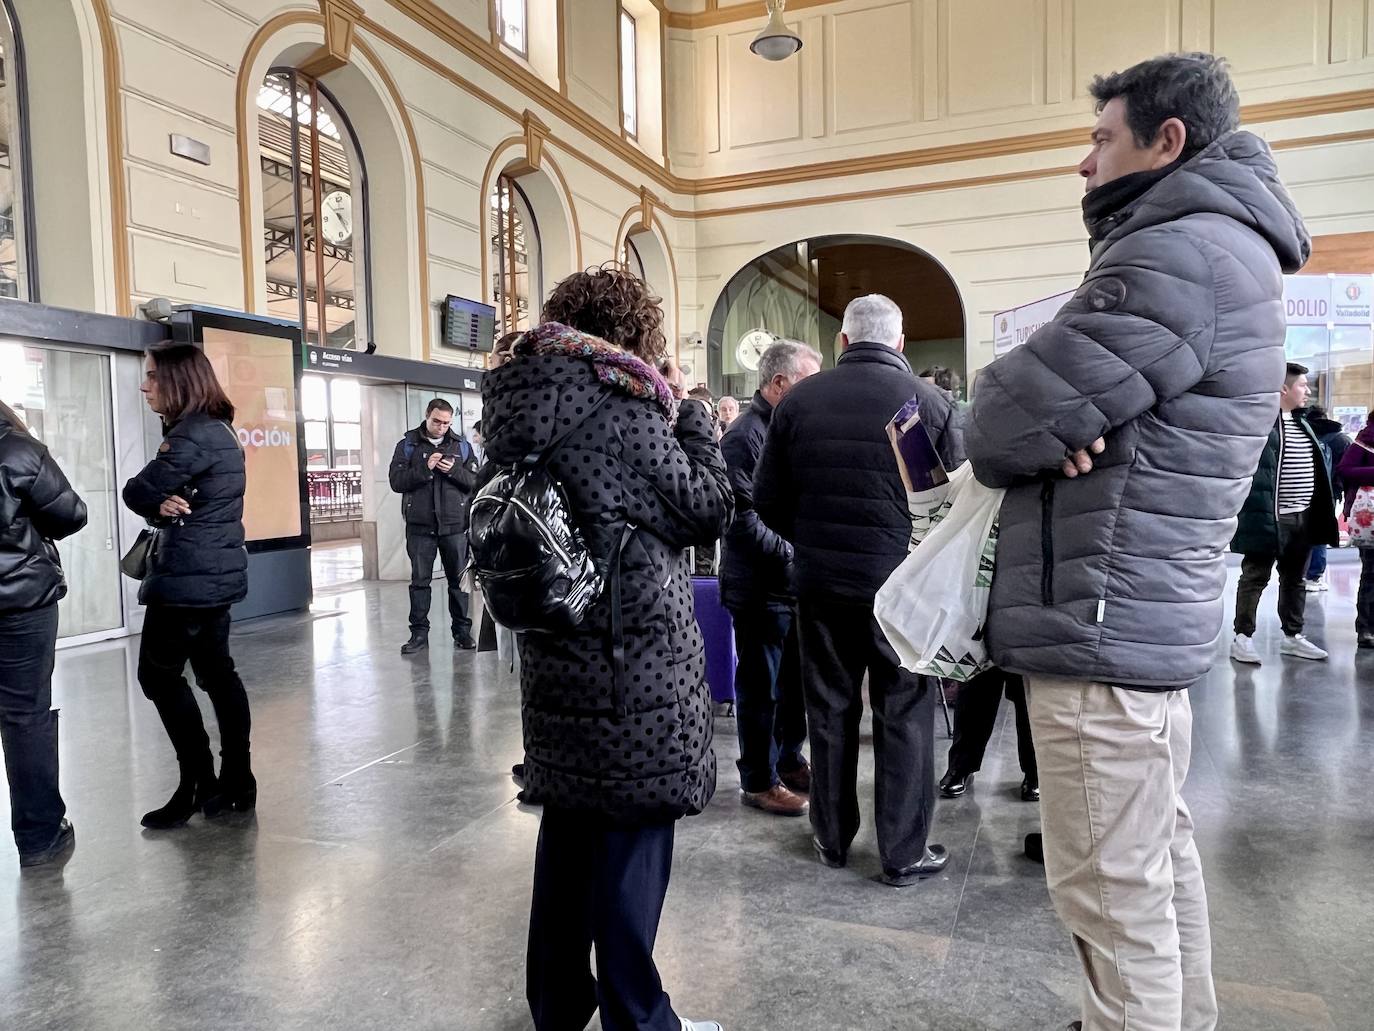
(614, 367)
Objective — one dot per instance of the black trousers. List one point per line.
(1364, 601)
(975, 714)
(841, 641)
(602, 886)
(1295, 552)
(452, 549)
(28, 726)
(770, 708)
(172, 637)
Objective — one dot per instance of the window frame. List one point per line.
(524, 49)
(628, 113)
(508, 321)
(300, 85)
(26, 251)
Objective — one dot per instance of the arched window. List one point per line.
(633, 261)
(17, 274)
(516, 283)
(326, 282)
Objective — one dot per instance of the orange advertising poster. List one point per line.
(259, 375)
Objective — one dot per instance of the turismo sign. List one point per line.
(1329, 300)
(1014, 327)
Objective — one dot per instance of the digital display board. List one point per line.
(258, 372)
(468, 325)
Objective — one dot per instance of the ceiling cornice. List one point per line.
(480, 49)
(710, 19)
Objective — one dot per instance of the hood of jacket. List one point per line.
(1236, 176)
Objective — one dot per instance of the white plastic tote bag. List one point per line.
(933, 606)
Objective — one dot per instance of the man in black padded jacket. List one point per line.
(828, 482)
(435, 471)
(756, 585)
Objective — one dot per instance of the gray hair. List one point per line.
(785, 357)
(874, 319)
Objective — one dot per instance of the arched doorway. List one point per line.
(800, 290)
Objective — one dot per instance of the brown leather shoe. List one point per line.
(776, 800)
(797, 781)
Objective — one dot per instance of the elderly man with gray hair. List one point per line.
(757, 586)
(828, 483)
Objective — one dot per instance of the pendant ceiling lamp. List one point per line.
(776, 42)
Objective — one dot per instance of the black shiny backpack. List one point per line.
(526, 553)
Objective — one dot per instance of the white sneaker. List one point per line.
(700, 1025)
(1315, 586)
(1243, 650)
(1301, 648)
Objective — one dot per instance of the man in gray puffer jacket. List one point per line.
(1127, 431)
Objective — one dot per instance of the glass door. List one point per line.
(64, 397)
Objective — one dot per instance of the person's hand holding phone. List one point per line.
(435, 460)
(174, 508)
(446, 463)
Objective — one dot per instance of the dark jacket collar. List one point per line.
(1235, 177)
(760, 407)
(881, 354)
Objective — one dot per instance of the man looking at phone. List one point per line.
(435, 470)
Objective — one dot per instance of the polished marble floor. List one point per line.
(384, 880)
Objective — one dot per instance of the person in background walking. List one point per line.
(616, 712)
(435, 472)
(758, 586)
(827, 483)
(1335, 442)
(1357, 471)
(1290, 510)
(192, 491)
(37, 507)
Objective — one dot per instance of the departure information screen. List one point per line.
(468, 325)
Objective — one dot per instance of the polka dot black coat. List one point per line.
(645, 757)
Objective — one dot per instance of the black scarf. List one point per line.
(1110, 204)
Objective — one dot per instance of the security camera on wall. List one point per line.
(159, 309)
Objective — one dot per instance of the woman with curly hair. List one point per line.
(616, 714)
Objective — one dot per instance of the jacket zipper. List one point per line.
(1047, 543)
(1278, 479)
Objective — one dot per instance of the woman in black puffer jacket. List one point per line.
(192, 491)
(37, 507)
(615, 761)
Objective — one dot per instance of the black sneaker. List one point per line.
(61, 845)
(417, 643)
(464, 642)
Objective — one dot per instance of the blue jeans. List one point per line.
(1317, 567)
(770, 709)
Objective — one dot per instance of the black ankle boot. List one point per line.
(190, 797)
(238, 793)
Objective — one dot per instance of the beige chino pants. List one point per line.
(1120, 861)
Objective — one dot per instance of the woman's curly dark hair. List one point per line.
(610, 303)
